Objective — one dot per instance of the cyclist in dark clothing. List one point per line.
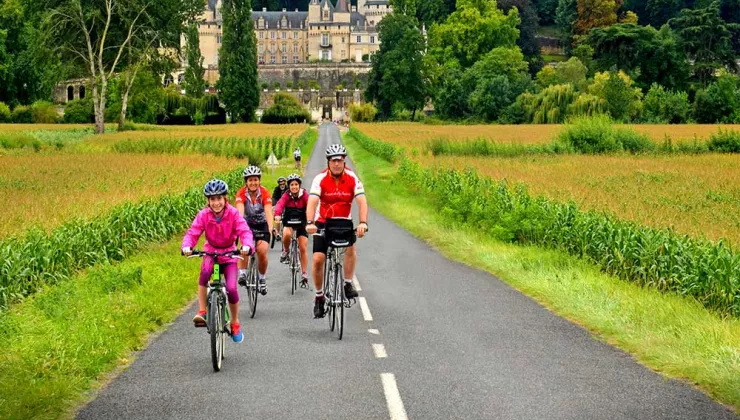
(281, 188)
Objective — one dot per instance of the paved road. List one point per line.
(459, 344)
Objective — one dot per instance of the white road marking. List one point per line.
(393, 397)
(357, 284)
(373, 331)
(365, 310)
(379, 351)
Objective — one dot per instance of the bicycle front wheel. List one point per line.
(294, 266)
(252, 288)
(215, 327)
(339, 300)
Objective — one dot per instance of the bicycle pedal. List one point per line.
(199, 324)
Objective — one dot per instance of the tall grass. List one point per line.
(382, 149)
(663, 259)
(656, 258)
(42, 258)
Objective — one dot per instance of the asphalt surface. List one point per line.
(460, 344)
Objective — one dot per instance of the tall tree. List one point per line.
(705, 38)
(474, 29)
(545, 10)
(396, 77)
(433, 11)
(95, 35)
(566, 16)
(595, 14)
(194, 83)
(647, 55)
(527, 40)
(237, 62)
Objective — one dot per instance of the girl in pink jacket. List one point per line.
(222, 225)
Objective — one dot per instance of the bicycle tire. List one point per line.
(329, 281)
(215, 326)
(339, 299)
(252, 286)
(294, 265)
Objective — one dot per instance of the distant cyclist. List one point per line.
(255, 204)
(297, 157)
(280, 189)
(332, 192)
(293, 207)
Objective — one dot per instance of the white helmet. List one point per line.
(335, 150)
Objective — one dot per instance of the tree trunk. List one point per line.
(99, 111)
(124, 100)
(413, 114)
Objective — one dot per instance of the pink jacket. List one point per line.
(287, 201)
(220, 235)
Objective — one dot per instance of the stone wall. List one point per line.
(329, 104)
(328, 75)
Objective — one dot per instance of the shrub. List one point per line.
(285, 110)
(22, 115)
(623, 101)
(362, 113)
(44, 112)
(5, 115)
(79, 111)
(726, 141)
(662, 106)
(19, 140)
(596, 135)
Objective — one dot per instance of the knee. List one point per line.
(233, 293)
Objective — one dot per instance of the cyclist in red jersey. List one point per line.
(332, 192)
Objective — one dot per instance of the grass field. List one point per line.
(47, 189)
(696, 195)
(409, 135)
(670, 334)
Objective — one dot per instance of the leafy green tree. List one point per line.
(496, 80)
(570, 72)
(545, 10)
(719, 102)
(285, 110)
(566, 15)
(397, 74)
(527, 41)
(650, 56)
(433, 11)
(471, 31)
(705, 38)
(616, 89)
(237, 61)
(666, 107)
(194, 83)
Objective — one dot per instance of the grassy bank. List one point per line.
(57, 343)
(670, 334)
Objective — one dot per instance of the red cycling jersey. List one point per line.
(336, 195)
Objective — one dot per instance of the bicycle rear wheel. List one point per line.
(215, 327)
(252, 286)
(339, 300)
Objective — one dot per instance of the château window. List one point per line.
(295, 35)
(325, 40)
(285, 35)
(359, 39)
(218, 39)
(372, 40)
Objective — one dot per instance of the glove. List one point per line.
(246, 250)
(186, 251)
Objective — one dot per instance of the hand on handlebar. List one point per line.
(311, 229)
(361, 230)
(187, 252)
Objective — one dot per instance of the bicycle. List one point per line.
(217, 316)
(294, 254)
(252, 283)
(335, 300)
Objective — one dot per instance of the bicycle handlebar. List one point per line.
(234, 254)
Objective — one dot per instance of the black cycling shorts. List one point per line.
(260, 232)
(298, 158)
(299, 230)
(340, 229)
